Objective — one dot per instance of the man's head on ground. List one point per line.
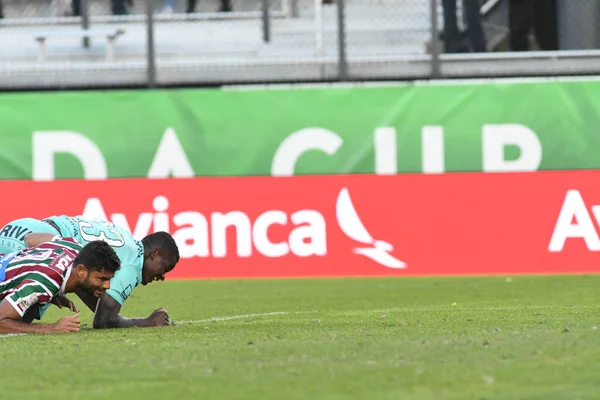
(94, 267)
(161, 254)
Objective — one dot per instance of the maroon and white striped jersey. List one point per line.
(38, 274)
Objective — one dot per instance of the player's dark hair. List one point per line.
(98, 255)
(165, 244)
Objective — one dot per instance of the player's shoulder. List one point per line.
(128, 276)
(132, 252)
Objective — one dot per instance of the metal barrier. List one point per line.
(176, 42)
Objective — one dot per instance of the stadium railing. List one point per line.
(272, 41)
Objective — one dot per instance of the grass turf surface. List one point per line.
(392, 338)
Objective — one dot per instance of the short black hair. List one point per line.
(98, 255)
(164, 242)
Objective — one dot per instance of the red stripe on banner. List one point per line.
(346, 225)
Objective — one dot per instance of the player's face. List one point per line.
(96, 282)
(155, 268)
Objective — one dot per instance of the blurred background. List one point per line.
(103, 43)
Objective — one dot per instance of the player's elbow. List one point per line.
(30, 240)
(105, 321)
(5, 325)
(101, 324)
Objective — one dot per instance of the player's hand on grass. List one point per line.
(159, 317)
(67, 324)
(63, 301)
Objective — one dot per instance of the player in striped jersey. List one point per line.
(34, 277)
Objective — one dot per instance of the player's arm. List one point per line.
(107, 316)
(109, 306)
(37, 238)
(10, 322)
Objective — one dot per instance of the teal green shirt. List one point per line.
(129, 250)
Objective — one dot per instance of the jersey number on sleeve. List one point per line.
(101, 230)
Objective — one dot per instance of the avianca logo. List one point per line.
(575, 222)
(352, 226)
(209, 235)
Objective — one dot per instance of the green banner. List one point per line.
(386, 129)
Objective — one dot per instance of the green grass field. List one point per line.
(394, 338)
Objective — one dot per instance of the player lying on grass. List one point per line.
(34, 277)
(142, 261)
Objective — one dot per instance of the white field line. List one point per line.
(7, 335)
(232, 317)
(228, 318)
(459, 308)
(404, 309)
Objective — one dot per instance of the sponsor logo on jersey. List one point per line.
(14, 231)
